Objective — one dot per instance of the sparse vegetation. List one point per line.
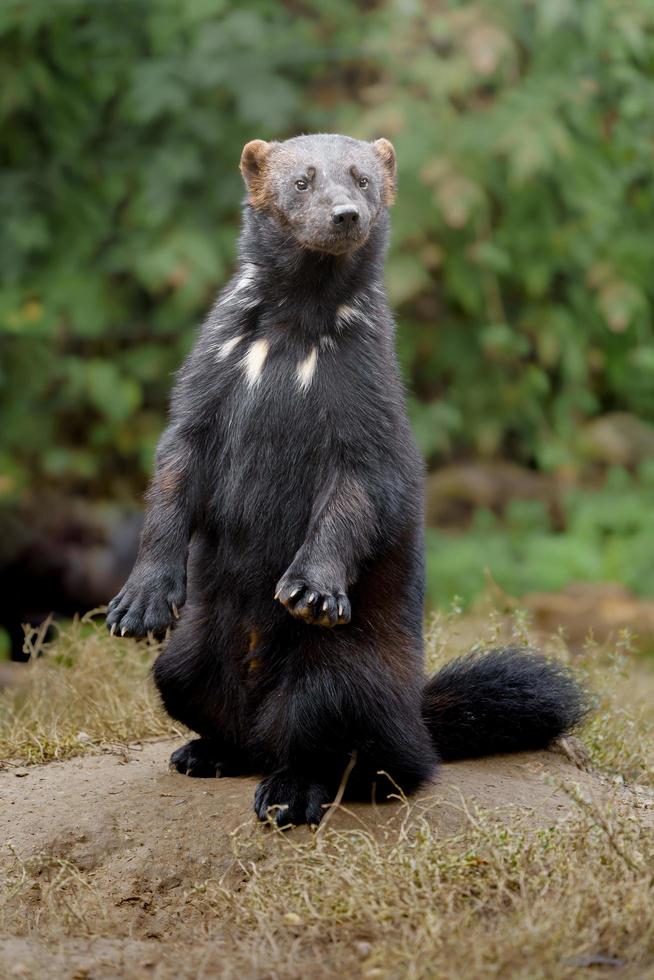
(490, 902)
(399, 900)
(85, 690)
(81, 692)
(403, 903)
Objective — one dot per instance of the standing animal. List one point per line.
(286, 517)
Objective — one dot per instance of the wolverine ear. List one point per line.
(253, 163)
(386, 155)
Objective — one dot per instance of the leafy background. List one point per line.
(520, 268)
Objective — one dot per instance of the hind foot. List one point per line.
(203, 757)
(286, 799)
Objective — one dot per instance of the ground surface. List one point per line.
(128, 811)
(142, 837)
(112, 866)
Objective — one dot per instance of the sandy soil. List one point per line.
(145, 836)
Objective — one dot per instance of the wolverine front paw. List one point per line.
(148, 603)
(313, 603)
(286, 799)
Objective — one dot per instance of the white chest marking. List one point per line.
(247, 277)
(225, 349)
(243, 288)
(306, 370)
(254, 361)
(345, 313)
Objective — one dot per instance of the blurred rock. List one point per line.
(454, 492)
(602, 610)
(618, 439)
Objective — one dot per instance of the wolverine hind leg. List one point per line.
(210, 757)
(337, 708)
(197, 678)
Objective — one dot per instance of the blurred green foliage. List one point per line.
(607, 537)
(121, 124)
(522, 256)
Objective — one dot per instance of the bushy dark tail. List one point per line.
(504, 700)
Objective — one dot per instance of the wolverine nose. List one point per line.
(345, 214)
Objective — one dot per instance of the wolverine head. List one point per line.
(327, 190)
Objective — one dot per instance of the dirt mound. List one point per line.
(131, 808)
(141, 838)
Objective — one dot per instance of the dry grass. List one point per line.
(619, 733)
(488, 903)
(85, 690)
(49, 895)
(404, 903)
(570, 901)
(81, 692)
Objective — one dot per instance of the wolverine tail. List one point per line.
(504, 700)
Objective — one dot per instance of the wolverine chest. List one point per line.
(288, 411)
(286, 402)
(277, 431)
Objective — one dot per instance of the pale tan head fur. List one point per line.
(328, 190)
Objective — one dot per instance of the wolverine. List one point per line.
(283, 537)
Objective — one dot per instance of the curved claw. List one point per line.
(313, 603)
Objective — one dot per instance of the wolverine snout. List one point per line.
(345, 215)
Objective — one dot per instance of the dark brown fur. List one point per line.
(296, 513)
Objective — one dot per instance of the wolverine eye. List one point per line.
(301, 185)
(363, 182)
